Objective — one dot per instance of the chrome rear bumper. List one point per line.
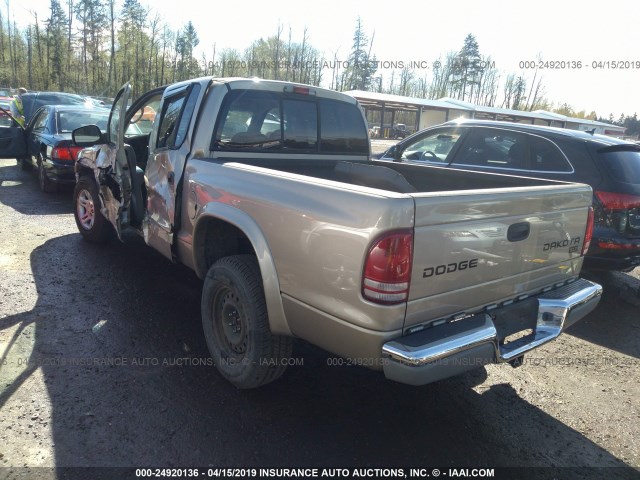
(452, 348)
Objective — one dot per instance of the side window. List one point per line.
(435, 147)
(546, 157)
(40, 122)
(342, 128)
(187, 113)
(492, 148)
(169, 120)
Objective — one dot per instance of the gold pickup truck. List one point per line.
(267, 191)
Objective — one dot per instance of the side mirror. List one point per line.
(87, 136)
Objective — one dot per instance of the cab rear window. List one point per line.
(262, 121)
(342, 128)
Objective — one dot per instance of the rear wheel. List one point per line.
(46, 184)
(236, 324)
(93, 226)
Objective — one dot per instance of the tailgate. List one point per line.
(477, 248)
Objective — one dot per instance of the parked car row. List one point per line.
(397, 131)
(609, 165)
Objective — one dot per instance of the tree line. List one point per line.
(93, 46)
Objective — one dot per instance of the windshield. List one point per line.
(69, 121)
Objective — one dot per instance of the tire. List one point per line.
(93, 226)
(46, 185)
(243, 349)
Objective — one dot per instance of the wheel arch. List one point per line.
(82, 170)
(220, 231)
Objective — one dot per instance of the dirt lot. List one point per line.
(102, 363)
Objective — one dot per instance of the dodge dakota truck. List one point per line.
(268, 192)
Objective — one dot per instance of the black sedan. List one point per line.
(46, 142)
(609, 165)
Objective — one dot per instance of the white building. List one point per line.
(384, 110)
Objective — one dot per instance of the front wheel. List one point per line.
(236, 324)
(93, 226)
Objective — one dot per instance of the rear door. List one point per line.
(492, 149)
(169, 149)
(12, 139)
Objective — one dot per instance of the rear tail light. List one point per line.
(67, 153)
(621, 210)
(387, 269)
(588, 234)
(611, 245)
(618, 201)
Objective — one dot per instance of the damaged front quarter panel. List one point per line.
(110, 178)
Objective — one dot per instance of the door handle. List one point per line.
(171, 176)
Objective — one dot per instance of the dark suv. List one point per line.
(609, 165)
(32, 101)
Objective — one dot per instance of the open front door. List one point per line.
(109, 165)
(12, 137)
(121, 174)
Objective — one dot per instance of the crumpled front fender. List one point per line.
(101, 160)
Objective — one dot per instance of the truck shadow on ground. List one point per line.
(620, 330)
(19, 189)
(169, 408)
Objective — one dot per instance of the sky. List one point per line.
(511, 32)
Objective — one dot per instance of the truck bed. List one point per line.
(398, 177)
(456, 217)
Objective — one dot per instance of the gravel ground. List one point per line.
(102, 363)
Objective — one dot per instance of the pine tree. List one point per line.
(362, 67)
(56, 26)
(467, 69)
